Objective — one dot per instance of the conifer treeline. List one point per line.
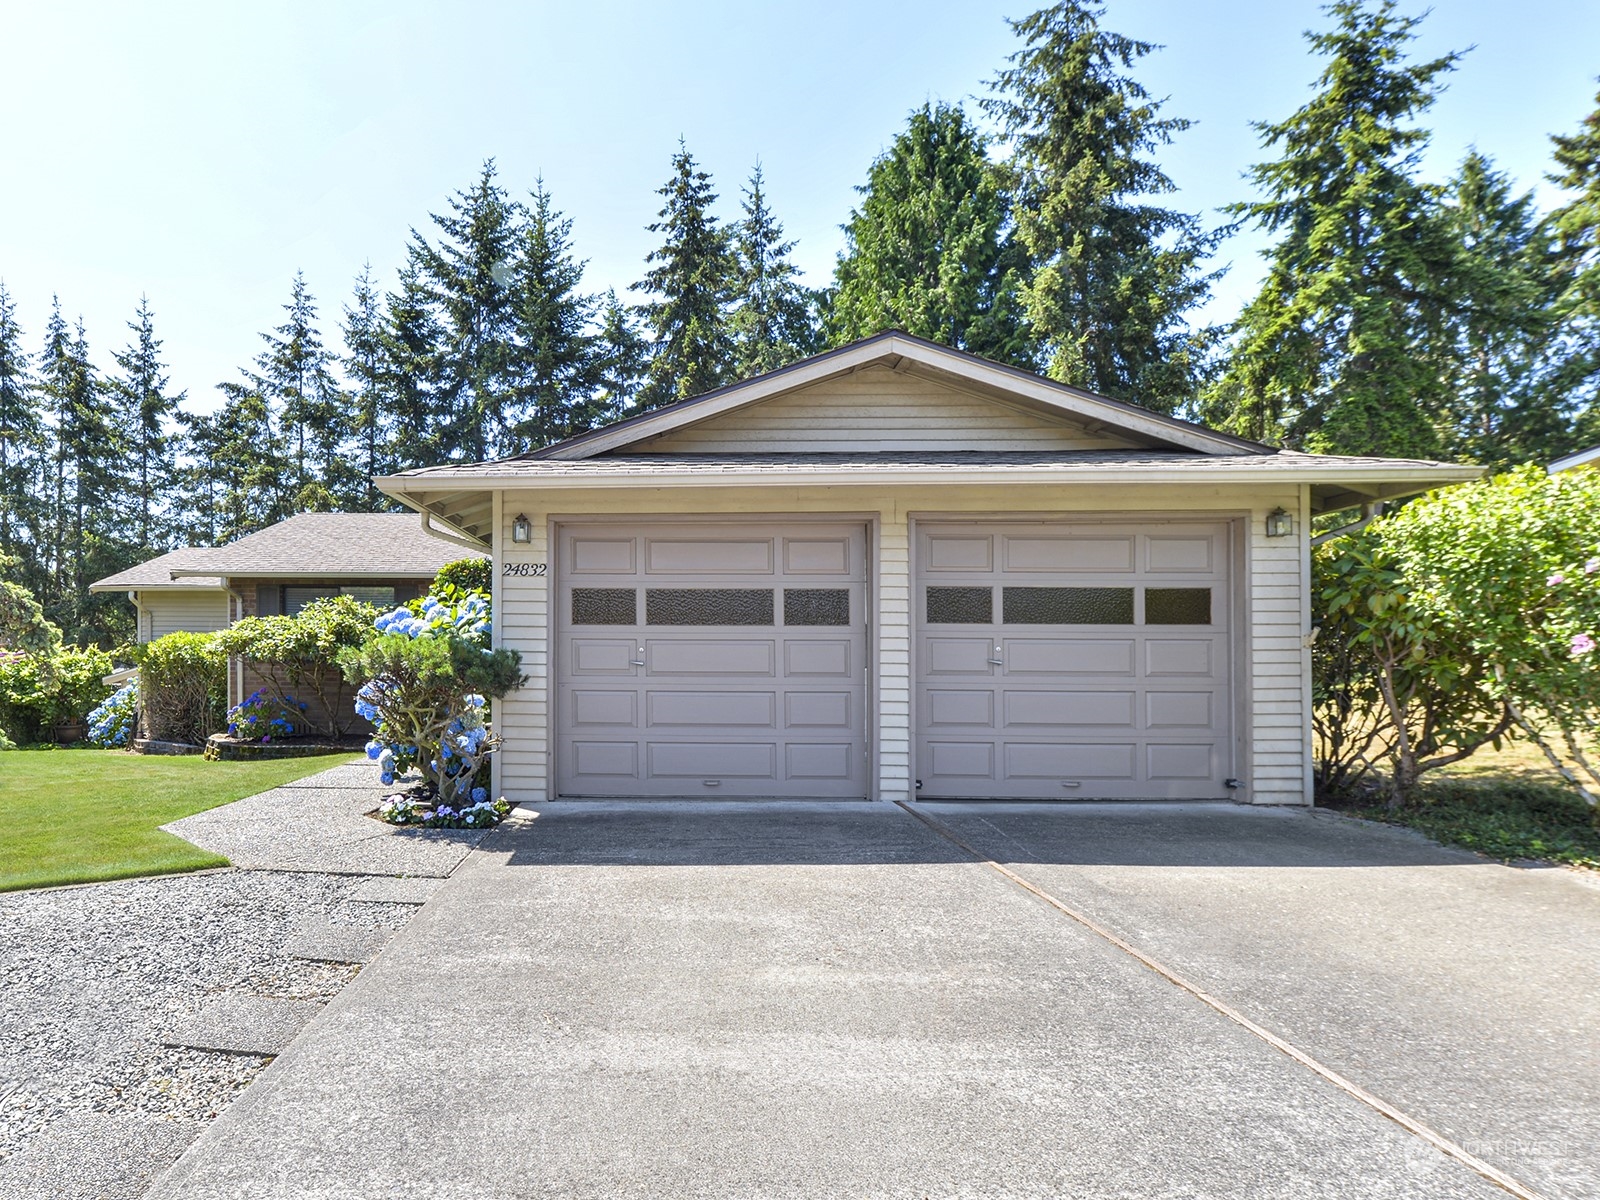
(1398, 315)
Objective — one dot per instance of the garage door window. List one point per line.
(960, 606)
(604, 606)
(1068, 605)
(1177, 606)
(816, 606)
(708, 606)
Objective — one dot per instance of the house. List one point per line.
(382, 558)
(1571, 462)
(896, 570)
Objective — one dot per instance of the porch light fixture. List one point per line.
(521, 529)
(1279, 523)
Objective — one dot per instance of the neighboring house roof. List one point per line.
(156, 574)
(332, 545)
(1579, 458)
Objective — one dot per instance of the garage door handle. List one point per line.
(997, 662)
(637, 662)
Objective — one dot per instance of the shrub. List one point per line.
(183, 686)
(300, 654)
(424, 679)
(112, 724)
(465, 575)
(262, 717)
(40, 691)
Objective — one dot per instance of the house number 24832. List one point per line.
(522, 570)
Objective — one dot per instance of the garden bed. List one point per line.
(221, 747)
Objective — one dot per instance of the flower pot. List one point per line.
(67, 732)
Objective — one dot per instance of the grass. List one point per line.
(77, 816)
(1506, 803)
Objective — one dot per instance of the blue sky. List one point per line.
(202, 153)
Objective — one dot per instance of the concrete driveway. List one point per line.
(798, 1000)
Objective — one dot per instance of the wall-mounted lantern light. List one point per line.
(522, 529)
(1279, 523)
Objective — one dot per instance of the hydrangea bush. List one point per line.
(262, 717)
(425, 683)
(111, 724)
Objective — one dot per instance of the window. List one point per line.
(1177, 606)
(708, 606)
(604, 606)
(960, 605)
(296, 598)
(1068, 605)
(816, 606)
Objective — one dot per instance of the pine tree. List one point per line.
(470, 279)
(410, 341)
(1333, 354)
(554, 356)
(367, 414)
(1499, 324)
(146, 415)
(774, 315)
(240, 473)
(691, 288)
(1113, 276)
(928, 250)
(1576, 272)
(624, 357)
(22, 435)
(294, 376)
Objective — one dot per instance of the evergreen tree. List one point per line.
(773, 321)
(1334, 353)
(410, 339)
(470, 280)
(1576, 272)
(240, 475)
(294, 376)
(1113, 275)
(554, 355)
(624, 357)
(22, 434)
(691, 287)
(146, 415)
(1499, 324)
(363, 363)
(928, 251)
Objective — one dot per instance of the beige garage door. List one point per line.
(712, 660)
(1073, 661)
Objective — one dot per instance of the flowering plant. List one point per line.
(261, 717)
(111, 723)
(408, 808)
(425, 682)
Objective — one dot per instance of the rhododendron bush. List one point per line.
(1470, 614)
(426, 682)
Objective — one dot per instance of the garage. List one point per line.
(712, 660)
(1073, 661)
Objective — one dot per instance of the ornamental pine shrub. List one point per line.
(183, 687)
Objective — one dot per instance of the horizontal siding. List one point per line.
(1273, 678)
(877, 409)
(182, 612)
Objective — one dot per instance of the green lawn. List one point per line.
(75, 816)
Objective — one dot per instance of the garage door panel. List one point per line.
(819, 761)
(733, 665)
(950, 706)
(720, 760)
(1066, 710)
(817, 710)
(1082, 659)
(708, 556)
(711, 710)
(1068, 761)
(604, 708)
(596, 656)
(710, 657)
(824, 659)
(1086, 656)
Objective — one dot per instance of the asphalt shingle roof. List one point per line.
(157, 573)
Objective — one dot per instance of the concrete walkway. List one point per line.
(832, 1000)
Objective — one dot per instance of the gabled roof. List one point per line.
(1579, 458)
(902, 351)
(157, 573)
(333, 545)
(318, 546)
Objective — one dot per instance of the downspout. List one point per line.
(235, 663)
(1370, 512)
(432, 530)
